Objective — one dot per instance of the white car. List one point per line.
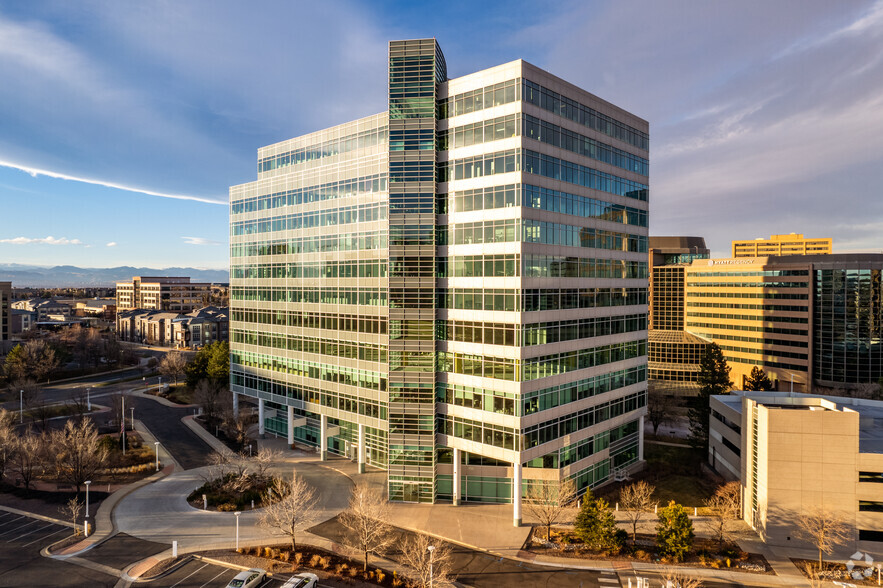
(304, 580)
(248, 578)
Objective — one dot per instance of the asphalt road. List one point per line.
(164, 422)
(199, 574)
(21, 539)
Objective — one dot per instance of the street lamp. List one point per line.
(86, 529)
(88, 400)
(431, 548)
(21, 406)
(156, 447)
(159, 387)
(133, 417)
(237, 513)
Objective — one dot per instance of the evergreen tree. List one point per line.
(714, 378)
(758, 381)
(596, 525)
(674, 531)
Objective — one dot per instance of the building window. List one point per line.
(870, 506)
(874, 477)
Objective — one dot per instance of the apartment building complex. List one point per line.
(795, 454)
(454, 290)
(172, 294)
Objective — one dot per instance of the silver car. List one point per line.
(303, 580)
(248, 578)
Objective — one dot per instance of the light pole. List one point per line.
(159, 387)
(86, 530)
(156, 448)
(133, 417)
(237, 513)
(88, 399)
(431, 548)
(21, 406)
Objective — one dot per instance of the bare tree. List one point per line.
(40, 358)
(8, 440)
(660, 408)
(678, 578)
(210, 397)
(294, 509)
(428, 566)
(78, 454)
(549, 501)
(172, 365)
(27, 459)
(264, 460)
(636, 500)
(71, 510)
(725, 506)
(235, 425)
(365, 519)
(823, 528)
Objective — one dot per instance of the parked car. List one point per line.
(248, 578)
(304, 580)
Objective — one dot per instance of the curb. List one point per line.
(40, 517)
(125, 573)
(190, 422)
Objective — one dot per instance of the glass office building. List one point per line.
(454, 290)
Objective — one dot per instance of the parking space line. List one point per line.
(13, 529)
(29, 532)
(188, 575)
(44, 537)
(221, 573)
(10, 521)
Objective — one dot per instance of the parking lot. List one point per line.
(22, 538)
(199, 574)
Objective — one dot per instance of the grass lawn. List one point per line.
(675, 473)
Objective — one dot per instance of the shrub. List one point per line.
(380, 576)
(674, 531)
(314, 561)
(285, 556)
(325, 562)
(340, 568)
(227, 507)
(298, 558)
(353, 571)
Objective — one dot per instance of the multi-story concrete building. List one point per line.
(454, 290)
(797, 453)
(5, 310)
(172, 294)
(793, 244)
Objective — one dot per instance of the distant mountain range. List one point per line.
(60, 276)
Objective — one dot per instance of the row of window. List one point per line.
(476, 266)
(770, 295)
(562, 363)
(551, 134)
(533, 300)
(309, 369)
(533, 231)
(479, 99)
(573, 173)
(488, 434)
(312, 320)
(752, 328)
(734, 426)
(538, 333)
(332, 347)
(750, 317)
(373, 184)
(553, 266)
(362, 268)
(738, 274)
(310, 295)
(361, 140)
(483, 131)
(567, 425)
(367, 241)
(698, 284)
(739, 306)
(761, 340)
(477, 398)
(554, 396)
(583, 206)
(307, 220)
(579, 113)
(572, 453)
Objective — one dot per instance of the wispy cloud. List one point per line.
(34, 172)
(111, 244)
(200, 241)
(50, 240)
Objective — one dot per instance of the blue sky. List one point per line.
(122, 124)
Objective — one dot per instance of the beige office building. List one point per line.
(792, 244)
(173, 294)
(797, 453)
(5, 310)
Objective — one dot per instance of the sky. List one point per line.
(123, 124)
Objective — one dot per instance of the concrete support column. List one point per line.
(516, 494)
(457, 493)
(261, 417)
(361, 449)
(235, 405)
(290, 426)
(641, 438)
(323, 438)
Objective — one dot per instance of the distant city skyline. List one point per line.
(123, 125)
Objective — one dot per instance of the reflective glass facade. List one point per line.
(457, 285)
